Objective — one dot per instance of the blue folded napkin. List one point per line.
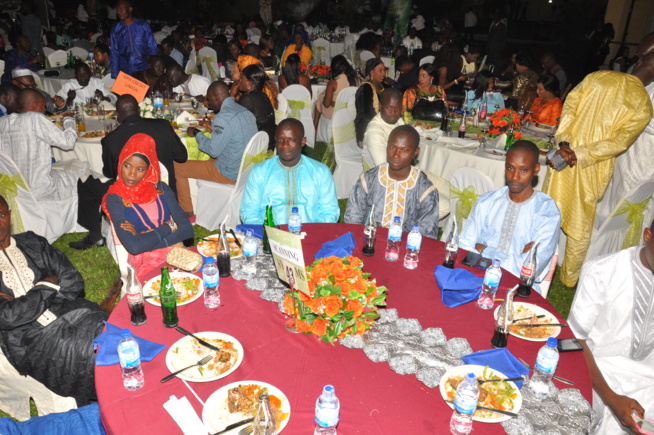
(498, 359)
(257, 230)
(340, 247)
(108, 343)
(458, 286)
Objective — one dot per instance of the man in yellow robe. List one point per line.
(601, 118)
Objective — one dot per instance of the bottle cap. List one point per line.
(125, 333)
(294, 210)
(496, 262)
(209, 260)
(248, 233)
(328, 391)
(552, 342)
(396, 219)
(471, 378)
(416, 228)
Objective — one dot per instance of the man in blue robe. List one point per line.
(132, 42)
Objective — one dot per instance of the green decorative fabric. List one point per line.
(318, 50)
(344, 133)
(635, 215)
(194, 152)
(329, 158)
(256, 158)
(212, 72)
(340, 105)
(9, 189)
(295, 106)
(465, 199)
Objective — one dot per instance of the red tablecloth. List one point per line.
(374, 399)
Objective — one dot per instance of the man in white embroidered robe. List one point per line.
(397, 188)
(506, 222)
(612, 316)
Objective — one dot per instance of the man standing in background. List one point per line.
(132, 42)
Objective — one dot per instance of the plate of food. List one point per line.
(94, 112)
(188, 350)
(530, 312)
(93, 136)
(239, 401)
(211, 244)
(498, 395)
(188, 286)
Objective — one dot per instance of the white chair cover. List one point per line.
(321, 54)
(57, 56)
(609, 237)
(208, 61)
(215, 200)
(461, 179)
(281, 112)
(79, 52)
(346, 152)
(324, 133)
(117, 250)
(299, 107)
(47, 51)
(191, 65)
(427, 59)
(255, 39)
(50, 219)
(108, 81)
(366, 55)
(349, 46)
(344, 100)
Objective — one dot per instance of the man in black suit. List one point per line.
(169, 149)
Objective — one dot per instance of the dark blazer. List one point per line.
(169, 146)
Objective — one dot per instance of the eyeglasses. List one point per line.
(25, 85)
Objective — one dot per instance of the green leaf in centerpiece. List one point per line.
(379, 300)
(337, 317)
(311, 317)
(365, 275)
(336, 290)
(354, 294)
(371, 315)
(346, 261)
(348, 314)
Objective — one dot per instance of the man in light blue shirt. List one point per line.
(168, 48)
(231, 130)
(290, 180)
(506, 222)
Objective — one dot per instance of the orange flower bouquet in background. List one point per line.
(342, 301)
(503, 121)
(321, 71)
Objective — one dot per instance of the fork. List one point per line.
(202, 362)
(247, 430)
(558, 378)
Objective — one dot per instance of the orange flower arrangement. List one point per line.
(503, 120)
(321, 71)
(342, 301)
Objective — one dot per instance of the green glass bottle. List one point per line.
(510, 138)
(268, 222)
(168, 297)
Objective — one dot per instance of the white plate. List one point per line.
(149, 291)
(187, 351)
(216, 415)
(478, 370)
(90, 139)
(522, 310)
(202, 246)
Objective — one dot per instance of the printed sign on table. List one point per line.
(287, 253)
(126, 84)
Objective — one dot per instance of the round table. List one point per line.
(52, 85)
(374, 399)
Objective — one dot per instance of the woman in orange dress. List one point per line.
(298, 47)
(424, 89)
(547, 107)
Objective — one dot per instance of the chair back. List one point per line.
(108, 81)
(2, 67)
(349, 46)
(207, 58)
(57, 56)
(346, 152)
(281, 112)
(466, 185)
(255, 39)
(256, 151)
(427, 59)
(321, 54)
(79, 52)
(345, 100)
(299, 107)
(192, 64)
(47, 51)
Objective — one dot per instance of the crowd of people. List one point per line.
(598, 121)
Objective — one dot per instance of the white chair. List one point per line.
(2, 67)
(79, 52)
(547, 282)
(282, 108)
(254, 39)
(192, 64)
(346, 152)
(324, 133)
(365, 56)
(320, 49)
(108, 81)
(48, 218)
(427, 59)
(48, 51)
(57, 57)
(349, 45)
(207, 58)
(611, 235)
(299, 107)
(345, 100)
(466, 185)
(215, 200)
(116, 249)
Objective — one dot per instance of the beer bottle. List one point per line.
(168, 298)
(268, 222)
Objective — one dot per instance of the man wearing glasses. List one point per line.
(24, 79)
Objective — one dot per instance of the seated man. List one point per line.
(397, 188)
(506, 222)
(231, 130)
(612, 315)
(47, 328)
(379, 128)
(20, 57)
(27, 137)
(82, 88)
(102, 57)
(193, 85)
(168, 49)
(24, 79)
(8, 99)
(408, 73)
(290, 180)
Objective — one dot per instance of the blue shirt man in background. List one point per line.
(132, 42)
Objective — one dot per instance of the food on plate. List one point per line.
(496, 395)
(184, 259)
(93, 134)
(190, 350)
(94, 112)
(424, 125)
(209, 248)
(245, 399)
(524, 312)
(185, 286)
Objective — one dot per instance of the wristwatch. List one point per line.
(173, 225)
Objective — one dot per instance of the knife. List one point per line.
(522, 325)
(234, 425)
(499, 411)
(527, 318)
(201, 341)
(238, 243)
(501, 380)
(558, 378)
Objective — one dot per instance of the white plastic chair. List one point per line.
(57, 56)
(48, 51)
(427, 59)
(79, 52)
(192, 64)
(365, 56)
(321, 54)
(349, 45)
(299, 95)
(216, 200)
(609, 237)
(462, 179)
(324, 133)
(282, 109)
(108, 81)
(346, 152)
(254, 39)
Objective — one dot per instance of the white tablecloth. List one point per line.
(336, 48)
(51, 85)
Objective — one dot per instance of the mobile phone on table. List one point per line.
(646, 425)
(472, 259)
(484, 263)
(569, 345)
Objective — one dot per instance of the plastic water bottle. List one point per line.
(294, 222)
(394, 240)
(413, 242)
(158, 102)
(130, 361)
(211, 281)
(546, 362)
(327, 412)
(465, 405)
(489, 287)
(250, 248)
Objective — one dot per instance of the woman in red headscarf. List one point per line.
(143, 210)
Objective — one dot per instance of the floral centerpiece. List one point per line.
(146, 107)
(321, 72)
(505, 121)
(343, 300)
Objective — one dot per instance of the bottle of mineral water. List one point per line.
(130, 361)
(158, 102)
(413, 242)
(394, 240)
(327, 412)
(250, 248)
(546, 362)
(465, 405)
(211, 281)
(489, 287)
(294, 222)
